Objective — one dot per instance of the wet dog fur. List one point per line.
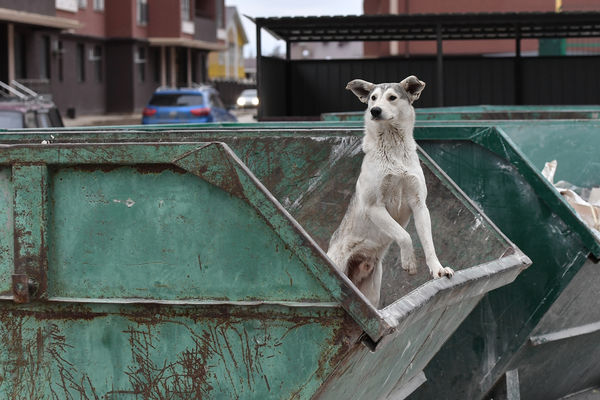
(390, 188)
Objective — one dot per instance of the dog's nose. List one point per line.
(376, 111)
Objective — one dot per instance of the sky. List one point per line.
(286, 8)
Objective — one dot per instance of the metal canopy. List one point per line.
(429, 26)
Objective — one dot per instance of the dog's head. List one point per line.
(388, 101)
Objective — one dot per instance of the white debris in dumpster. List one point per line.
(586, 204)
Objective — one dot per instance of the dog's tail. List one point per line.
(360, 267)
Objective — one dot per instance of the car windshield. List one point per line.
(249, 93)
(177, 99)
(11, 119)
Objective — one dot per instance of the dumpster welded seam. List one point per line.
(295, 304)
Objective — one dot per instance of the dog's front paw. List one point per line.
(443, 271)
(409, 262)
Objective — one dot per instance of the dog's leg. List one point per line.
(380, 216)
(371, 287)
(423, 225)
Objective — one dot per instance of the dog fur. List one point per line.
(390, 188)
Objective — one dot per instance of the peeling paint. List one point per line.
(129, 203)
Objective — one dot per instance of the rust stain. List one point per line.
(158, 168)
(33, 363)
(141, 168)
(20, 288)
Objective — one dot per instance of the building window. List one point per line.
(204, 9)
(99, 5)
(140, 60)
(60, 52)
(185, 10)
(20, 56)
(96, 58)
(80, 59)
(219, 14)
(45, 58)
(142, 12)
(82, 3)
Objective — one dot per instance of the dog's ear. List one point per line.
(361, 89)
(413, 87)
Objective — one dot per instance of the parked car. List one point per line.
(248, 99)
(186, 105)
(16, 113)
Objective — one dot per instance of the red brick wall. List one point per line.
(120, 18)
(164, 18)
(93, 21)
(380, 49)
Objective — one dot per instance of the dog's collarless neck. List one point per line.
(390, 140)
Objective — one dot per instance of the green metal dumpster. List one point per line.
(145, 265)
(485, 112)
(538, 335)
(523, 336)
(553, 321)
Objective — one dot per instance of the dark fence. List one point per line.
(229, 91)
(273, 93)
(312, 87)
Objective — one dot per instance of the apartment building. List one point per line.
(99, 56)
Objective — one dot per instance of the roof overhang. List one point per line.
(47, 21)
(183, 42)
(433, 26)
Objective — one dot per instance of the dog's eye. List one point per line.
(373, 97)
(392, 98)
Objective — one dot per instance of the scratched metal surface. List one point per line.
(165, 234)
(166, 352)
(6, 230)
(110, 236)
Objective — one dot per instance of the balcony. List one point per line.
(188, 27)
(205, 29)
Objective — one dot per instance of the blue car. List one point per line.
(186, 105)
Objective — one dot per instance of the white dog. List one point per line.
(390, 187)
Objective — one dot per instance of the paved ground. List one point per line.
(244, 116)
(103, 120)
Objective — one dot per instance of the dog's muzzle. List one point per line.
(376, 112)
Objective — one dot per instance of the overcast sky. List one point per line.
(287, 8)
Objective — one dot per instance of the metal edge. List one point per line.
(431, 295)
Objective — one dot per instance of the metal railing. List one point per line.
(19, 91)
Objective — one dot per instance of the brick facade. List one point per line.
(117, 55)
